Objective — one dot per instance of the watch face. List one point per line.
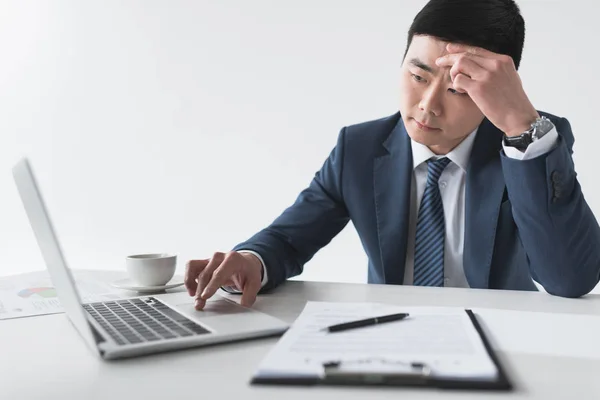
(543, 126)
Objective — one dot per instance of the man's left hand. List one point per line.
(492, 82)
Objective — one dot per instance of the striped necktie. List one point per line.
(430, 235)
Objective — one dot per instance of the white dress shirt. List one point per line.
(452, 185)
(452, 189)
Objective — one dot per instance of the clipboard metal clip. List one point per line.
(376, 371)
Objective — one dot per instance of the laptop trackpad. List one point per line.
(213, 308)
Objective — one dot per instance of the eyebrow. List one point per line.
(420, 64)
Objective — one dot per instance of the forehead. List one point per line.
(426, 48)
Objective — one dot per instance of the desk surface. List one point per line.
(44, 358)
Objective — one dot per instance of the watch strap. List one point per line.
(538, 129)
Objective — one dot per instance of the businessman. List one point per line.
(468, 185)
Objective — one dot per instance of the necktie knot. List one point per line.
(435, 169)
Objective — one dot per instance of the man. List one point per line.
(467, 186)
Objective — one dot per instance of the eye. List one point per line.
(456, 92)
(417, 78)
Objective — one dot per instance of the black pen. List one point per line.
(366, 322)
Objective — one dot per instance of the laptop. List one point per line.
(139, 325)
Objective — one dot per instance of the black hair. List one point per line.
(495, 25)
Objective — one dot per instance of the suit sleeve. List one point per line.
(310, 223)
(557, 227)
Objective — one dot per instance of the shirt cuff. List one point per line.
(540, 147)
(265, 277)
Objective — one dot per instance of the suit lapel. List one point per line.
(392, 183)
(484, 191)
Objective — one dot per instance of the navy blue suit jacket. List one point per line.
(524, 219)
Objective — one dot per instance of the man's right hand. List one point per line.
(242, 271)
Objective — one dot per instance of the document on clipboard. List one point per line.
(442, 347)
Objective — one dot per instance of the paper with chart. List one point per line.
(443, 338)
(32, 294)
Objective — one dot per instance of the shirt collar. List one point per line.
(459, 155)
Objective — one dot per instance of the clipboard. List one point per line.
(414, 374)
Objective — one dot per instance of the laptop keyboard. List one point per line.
(142, 320)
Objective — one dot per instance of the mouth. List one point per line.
(425, 127)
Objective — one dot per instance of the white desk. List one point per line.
(44, 358)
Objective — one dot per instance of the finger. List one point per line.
(464, 84)
(236, 282)
(200, 303)
(463, 63)
(250, 290)
(479, 51)
(225, 271)
(485, 62)
(467, 67)
(206, 276)
(232, 282)
(193, 268)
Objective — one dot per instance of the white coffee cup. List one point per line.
(151, 269)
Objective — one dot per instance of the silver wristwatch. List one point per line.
(538, 129)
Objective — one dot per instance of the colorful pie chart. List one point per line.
(46, 292)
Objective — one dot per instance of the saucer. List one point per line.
(127, 284)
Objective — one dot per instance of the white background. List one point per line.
(186, 126)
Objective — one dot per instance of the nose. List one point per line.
(430, 102)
